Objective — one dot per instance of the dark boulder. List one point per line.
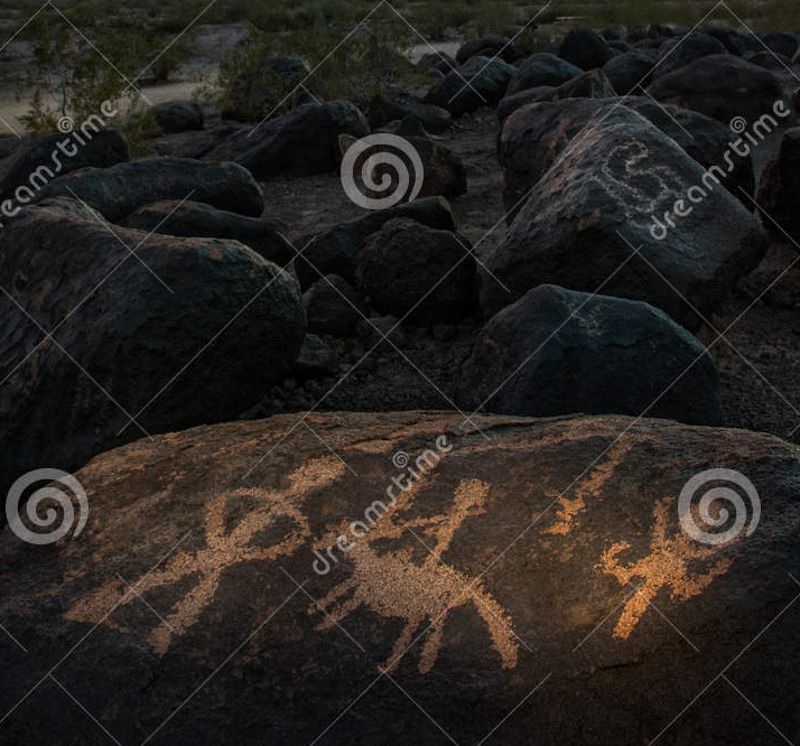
(585, 49)
(274, 83)
(197, 143)
(532, 140)
(117, 191)
(316, 359)
(334, 251)
(304, 141)
(624, 185)
(769, 60)
(677, 53)
(557, 351)
(407, 268)
(189, 218)
(779, 191)
(735, 41)
(722, 86)
(562, 571)
(540, 70)
(489, 46)
(478, 82)
(333, 307)
(628, 72)
(9, 143)
(37, 162)
(392, 105)
(593, 84)
(783, 43)
(184, 331)
(438, 62)
(178, 116)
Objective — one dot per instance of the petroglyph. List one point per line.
(667, 566)
(392, 585)
(223, 550)
(590, 487)
(640, 190)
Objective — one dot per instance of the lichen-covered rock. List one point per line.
(531, 580)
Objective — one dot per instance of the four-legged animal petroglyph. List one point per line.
(393, 586)
(667, 566)
(222, 551)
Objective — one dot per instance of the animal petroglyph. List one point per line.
(223, 550)
(667, 566)
(392, 585)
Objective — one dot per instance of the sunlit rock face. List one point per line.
(263, 582)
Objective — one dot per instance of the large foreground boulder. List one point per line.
(303, 141)
(481, 81)
(626, 212)
(190, 218)
(722, 86)
(117, 191)
(531, 578)
(556, 351)
(100, 329)
(533, 139)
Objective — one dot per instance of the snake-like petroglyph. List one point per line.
(667, 566)
(223, 550)
(390, 584)
(639, 188)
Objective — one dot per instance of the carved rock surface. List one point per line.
(545, 566)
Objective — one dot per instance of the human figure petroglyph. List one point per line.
(392, 585)
(667, 566)
(223, 550)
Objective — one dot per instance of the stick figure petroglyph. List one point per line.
(667, 566)
(223, 550)
(392, 585)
